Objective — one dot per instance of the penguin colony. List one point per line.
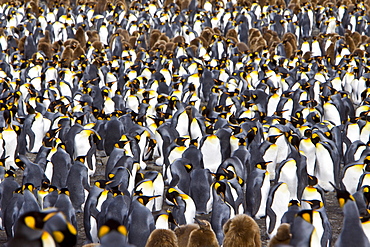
(251, 109)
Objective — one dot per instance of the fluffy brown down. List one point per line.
(162, 238)
(282, 236)
(203, 237)
(241, 231)
(183, 233)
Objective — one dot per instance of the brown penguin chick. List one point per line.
(282, 236)
(78, 52)
(178, 39)
(132, 41)
(183, 233)
(67, 57)
(46, 48)
(242, 47)
(98, 45)
(232, 33)
(356, 36)
(154, 36)
(71, 42)
(164, 38)
(162, 238)
(204, 236)
(100, 6)
(241, 231)
(358, 52)
(170, 46)
(21, 44)
(207, 34)
(80, 37)
(46, 38)
(350, 43)
(93, 36)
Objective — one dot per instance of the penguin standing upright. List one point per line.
(210, 146)
(222, 210)
(277, 205)
(257, 190)
(352, 233)
(77, 184)
(85, 145)
(162, 237)
(7, 188)
(184, 209)
(140, 221)
(91, 211)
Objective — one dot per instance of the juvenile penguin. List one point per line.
(203, 236)
(241, 230)
(162, 237)
(183, 232)
(282, 236)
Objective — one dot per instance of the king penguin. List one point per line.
(352, 233)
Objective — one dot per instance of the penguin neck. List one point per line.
(351, 214)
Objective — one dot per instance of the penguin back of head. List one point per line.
(241, 230)
(162, 238)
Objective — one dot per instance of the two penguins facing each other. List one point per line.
(240, 231)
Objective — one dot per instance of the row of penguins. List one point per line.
(250, 110)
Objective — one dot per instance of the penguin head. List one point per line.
(343, 196)
(81, 159)
(20, 163)
(64, 191)
(145, 199)
(102, 184)
(28, 186)
(9, 174)
(263, 165)
(111, 225)
(312, 180)
(315, 204)
(306, 214)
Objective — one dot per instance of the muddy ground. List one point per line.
(333, 210)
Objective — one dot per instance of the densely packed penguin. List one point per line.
(250, 109)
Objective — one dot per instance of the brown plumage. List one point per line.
(204, 236)
(67, 57)
(232, 33)
(350, 43)
(242, 47)
(92, 36)
(282, 236)
(154, 36)
(46, 49)
(78, 52)
(80, 37)
(178, 39)
(183, 233)
(162, 238)
(241, 231)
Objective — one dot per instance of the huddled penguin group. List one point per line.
(204, 115)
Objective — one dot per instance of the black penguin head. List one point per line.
(111, 225)
(312, 180)
(81, 159)
(102, 184)
(305, 214)
(343, 196)
(263, 165)
(28, 186)
(64, 191)
(294, 203)
(315, 204)
(145, 199)
(9, 173)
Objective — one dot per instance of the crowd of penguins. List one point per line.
(210, 114)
